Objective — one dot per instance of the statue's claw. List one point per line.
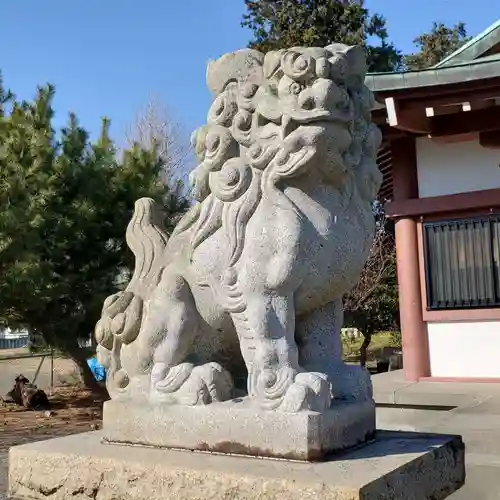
(310, 391)
(289, 391)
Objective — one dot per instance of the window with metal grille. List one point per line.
(462, 263)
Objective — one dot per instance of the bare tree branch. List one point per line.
(153, 125)
(372, 303)
(380, 259)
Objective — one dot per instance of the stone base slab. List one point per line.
(396, 465)
(238, 428)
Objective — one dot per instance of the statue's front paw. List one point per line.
(310, 391)
(286, 389)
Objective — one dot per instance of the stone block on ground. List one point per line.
(239, 427)
(395, 466)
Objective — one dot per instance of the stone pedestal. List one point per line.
(395, 465)
(240, 428)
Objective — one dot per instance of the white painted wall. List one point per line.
(465, 349)
(460, 167)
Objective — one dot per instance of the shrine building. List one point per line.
(441, 164)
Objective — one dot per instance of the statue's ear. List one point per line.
(240, 66)
(356, 61)
(354, 58)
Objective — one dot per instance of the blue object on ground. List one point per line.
(97, 369)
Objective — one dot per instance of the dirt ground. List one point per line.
(65, 371)
(73, 411)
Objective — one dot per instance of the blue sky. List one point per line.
(109, 57)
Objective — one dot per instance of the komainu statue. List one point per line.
(250, 283)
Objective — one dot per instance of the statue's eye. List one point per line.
(295, 88)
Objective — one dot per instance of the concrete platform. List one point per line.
(238, 427)
(476, 418)
(392, 388)
(396, 466)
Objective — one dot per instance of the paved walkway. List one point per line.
(475, 416)
(391, 388)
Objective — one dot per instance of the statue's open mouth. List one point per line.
(313, 116)
(270, 126)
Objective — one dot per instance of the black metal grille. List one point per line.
(462, 263)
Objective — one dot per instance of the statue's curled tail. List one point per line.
(122, 312)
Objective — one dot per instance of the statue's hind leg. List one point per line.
(320, 349)
(266, 330)
(170, 329)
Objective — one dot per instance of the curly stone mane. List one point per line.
(250, 144)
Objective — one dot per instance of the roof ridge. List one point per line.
(484, 34)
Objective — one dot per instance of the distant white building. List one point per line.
(12, 339)
(8, 333)
(440, 160)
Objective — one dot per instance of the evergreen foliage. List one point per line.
(65, 203)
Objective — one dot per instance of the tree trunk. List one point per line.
(77, 354)
(364, 348)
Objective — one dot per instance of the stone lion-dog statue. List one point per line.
(250, 283)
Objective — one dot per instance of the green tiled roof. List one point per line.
(466, 64)
(487, 67)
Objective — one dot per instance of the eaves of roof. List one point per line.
(484, 68)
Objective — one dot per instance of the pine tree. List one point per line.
(279, 24)
(65, 204)
(435, 45)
